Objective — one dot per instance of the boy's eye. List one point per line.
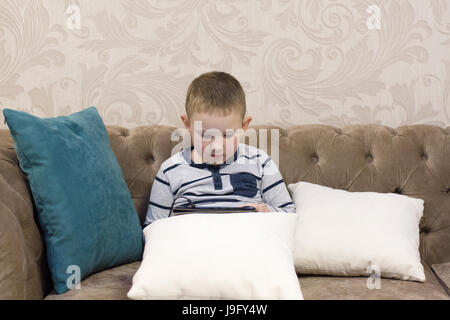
(210, 136)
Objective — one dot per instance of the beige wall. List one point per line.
(299, 61)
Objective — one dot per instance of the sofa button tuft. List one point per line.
(124, 132)
(398, 190)
(150, 159)
(392, 131)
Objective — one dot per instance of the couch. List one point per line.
(412, 160)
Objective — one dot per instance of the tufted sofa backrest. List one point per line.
(411, 160)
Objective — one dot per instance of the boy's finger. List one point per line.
(247, 204)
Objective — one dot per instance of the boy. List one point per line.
(230, 174)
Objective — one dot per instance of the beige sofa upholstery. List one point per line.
(412, 160)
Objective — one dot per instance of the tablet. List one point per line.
(214, 209)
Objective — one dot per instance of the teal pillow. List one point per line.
(83, 203)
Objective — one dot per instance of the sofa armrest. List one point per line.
(24, 272)
(442, 271)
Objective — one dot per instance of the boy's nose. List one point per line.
(216, 144)
(216, 151)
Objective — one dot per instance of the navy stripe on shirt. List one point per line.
(251, 157)
(159, 205)
(234, 173)
(285, 204)
(189, 182)
(162, 181)
(265, 162)
(171, 167)
(272, 185)
(208, 194)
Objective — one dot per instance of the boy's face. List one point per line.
(209, 132)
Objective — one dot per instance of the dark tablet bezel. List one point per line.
(214, 209)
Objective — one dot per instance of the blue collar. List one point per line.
(187, 156)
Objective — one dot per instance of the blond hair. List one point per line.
(215, 91)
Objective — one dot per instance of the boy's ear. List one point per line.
(185, 121)
(246, 122)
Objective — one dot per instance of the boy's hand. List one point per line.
(260, 207)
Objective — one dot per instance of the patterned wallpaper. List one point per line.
(333, 62)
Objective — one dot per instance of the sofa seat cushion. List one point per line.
(355, 288)
(442, 271)
(111, 284)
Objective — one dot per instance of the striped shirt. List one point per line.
(250, 176)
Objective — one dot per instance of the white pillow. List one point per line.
(219, 256)
(356, 233)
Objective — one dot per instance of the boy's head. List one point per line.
(215, 109)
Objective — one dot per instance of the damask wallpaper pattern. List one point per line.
(334, 62)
